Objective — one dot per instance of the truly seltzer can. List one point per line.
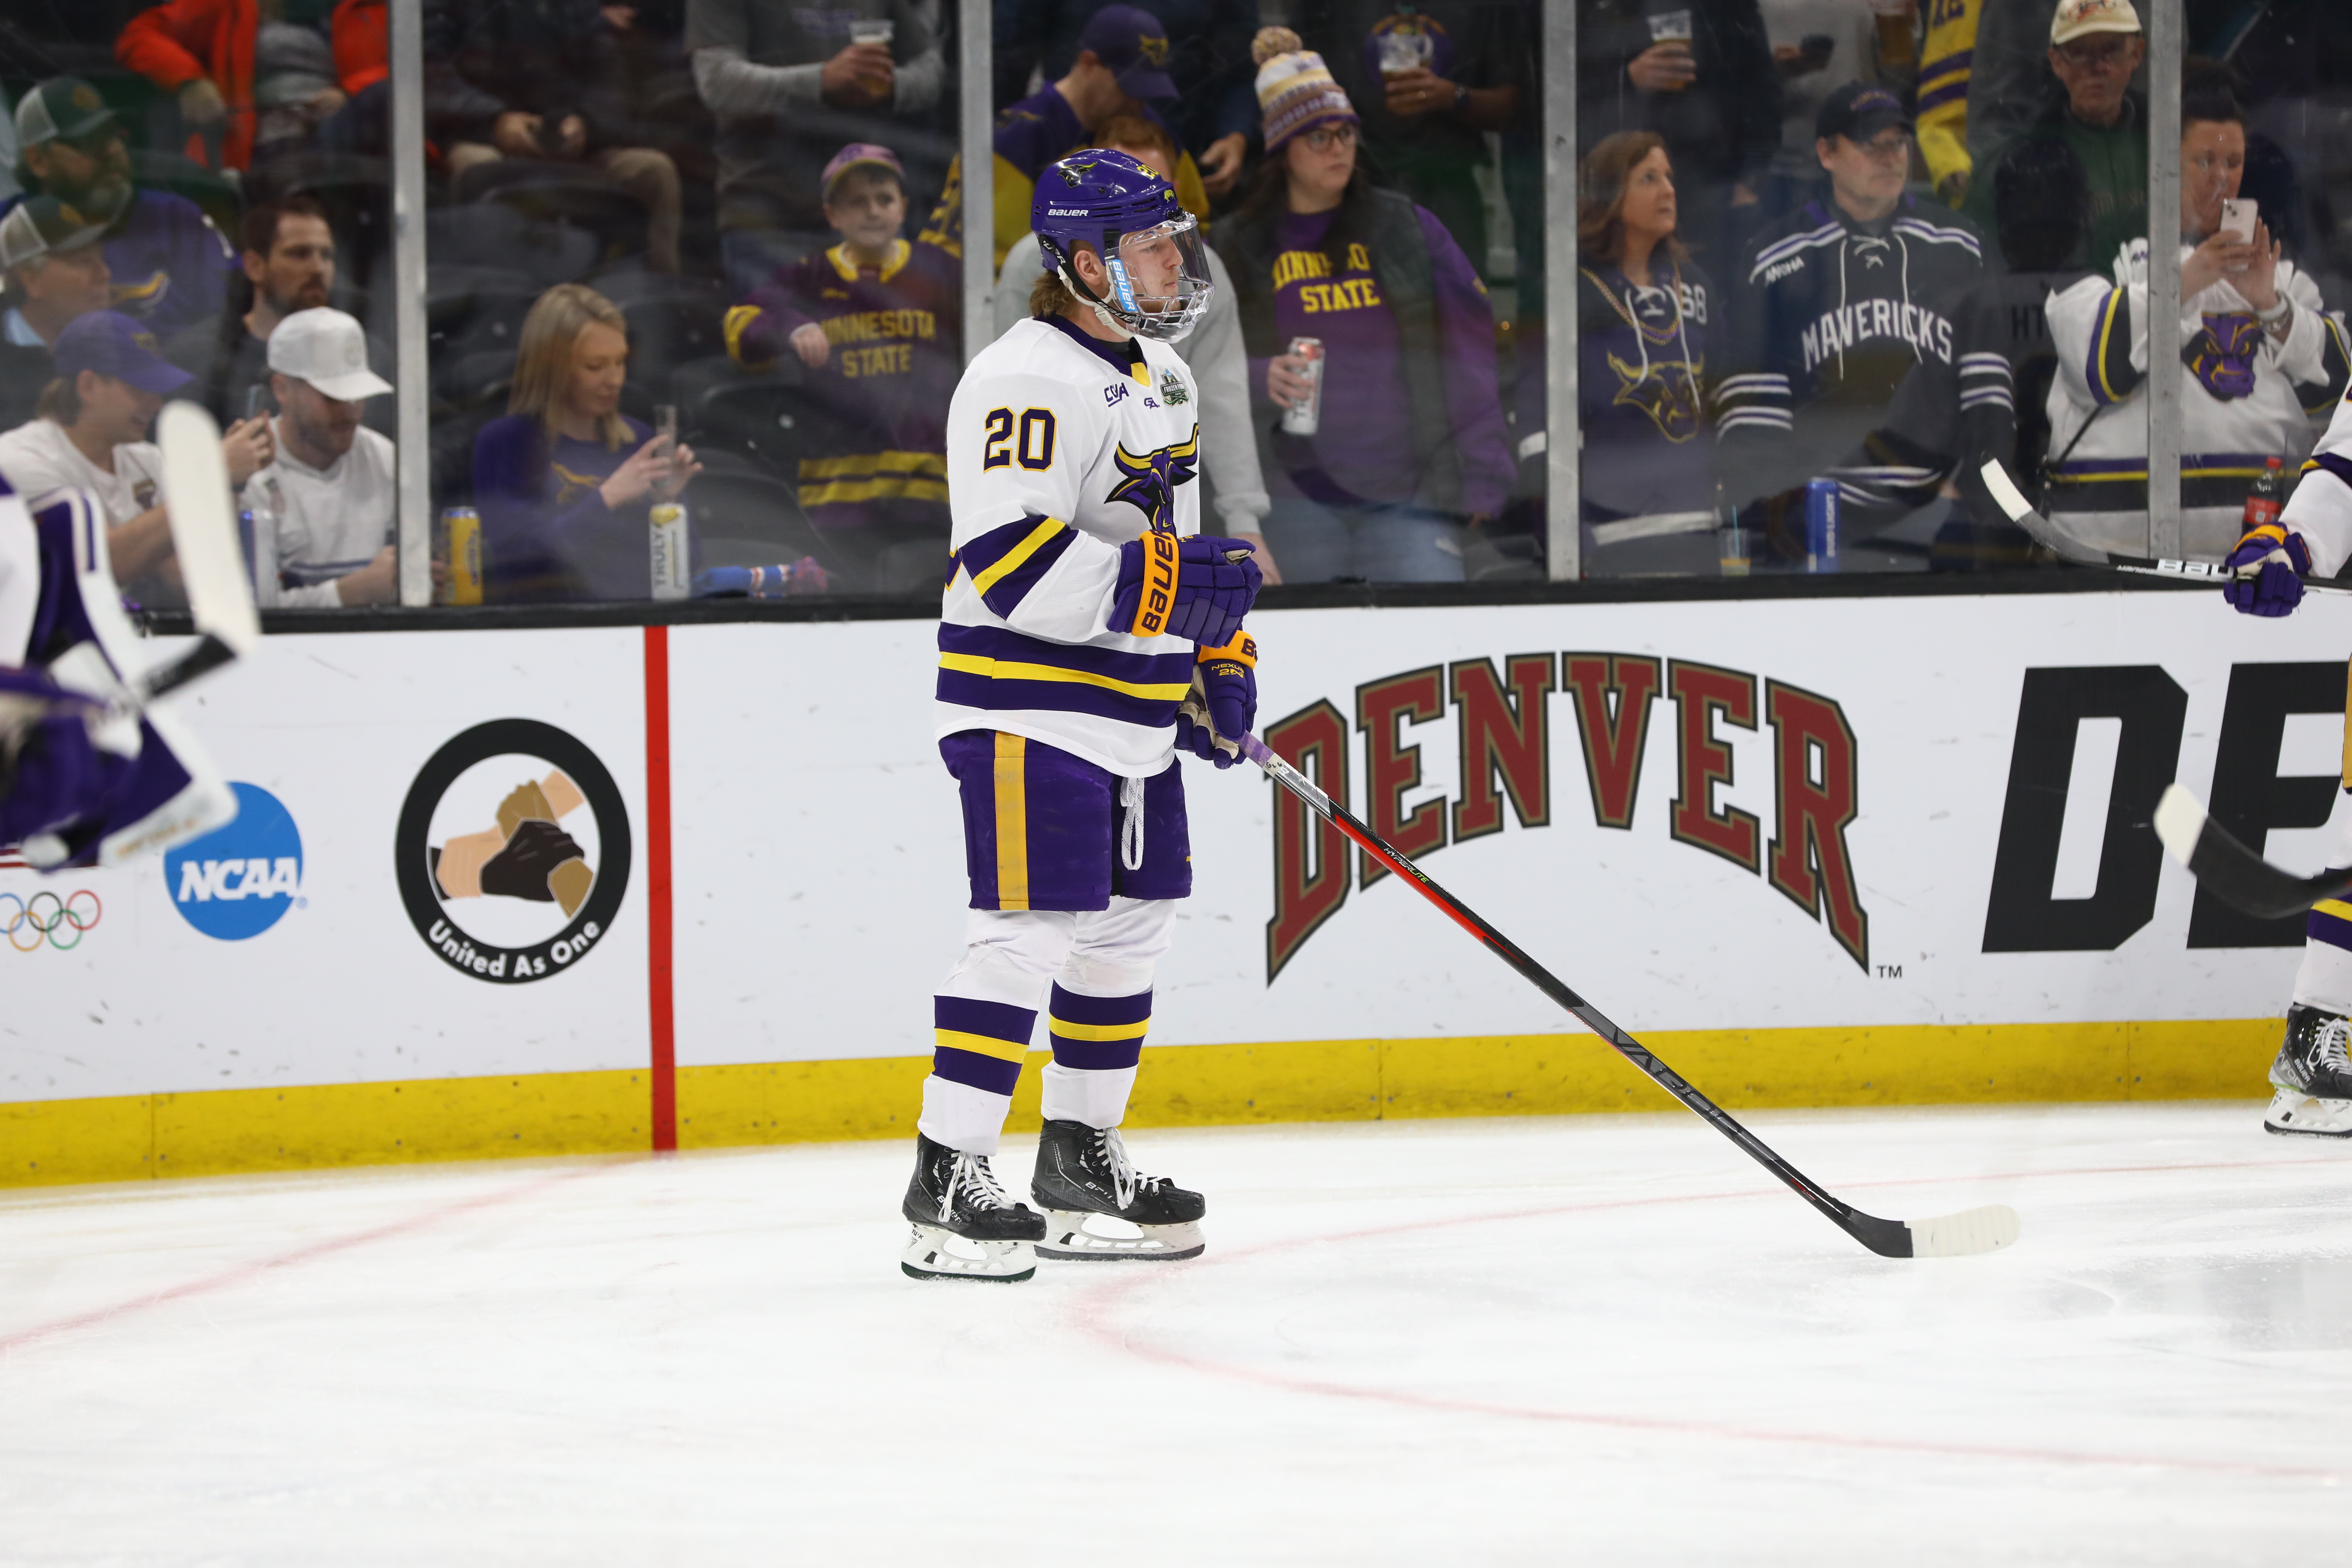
(1303, 418)
(1823, 525)
(666, 525)
(461, 556)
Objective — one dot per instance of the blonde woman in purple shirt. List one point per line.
(1410, 449)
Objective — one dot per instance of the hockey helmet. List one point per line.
(1150, 247)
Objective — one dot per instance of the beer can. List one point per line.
(666, 525)
(459, 552)
(1306, 418)
(1823, 525)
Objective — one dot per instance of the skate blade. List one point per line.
(2296, 1114)
(935, 1254)
(1068, 1239)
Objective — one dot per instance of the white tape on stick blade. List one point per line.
(204, 526)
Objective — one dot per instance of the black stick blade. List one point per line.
(1962, 1235)
(2233, 873)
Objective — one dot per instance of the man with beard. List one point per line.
(322, 513)
(171, 266)
(289, 259)
(53, 270)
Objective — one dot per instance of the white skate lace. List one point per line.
(1125, 1181)
(973, 1173)
(2330, 1052)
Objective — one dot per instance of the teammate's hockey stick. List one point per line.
(1975, 1230)
(2011, 500)
(2233, 873)
(205, 540)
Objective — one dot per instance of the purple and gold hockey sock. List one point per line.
(1097, 1041)
(975, 1062)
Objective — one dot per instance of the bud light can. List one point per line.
(459, 552)
(667, 524)
(1823, 525)
(1305, 416)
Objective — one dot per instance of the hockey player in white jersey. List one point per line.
(1083, 610)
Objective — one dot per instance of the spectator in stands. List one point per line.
(565, 481)
(1703, 78)
(55, 270)
(2263, 361)
(261, 78)
(2096, 46)
(322, 510)
(1431, 80)
(789, 84)
(879, 325)
(544, 81)
(1648, 317)
(1214, 110)
(1118, 71)
(1411, 444)
(1820, 46)
(1946, 72)
(1834, 307)
(171, 266)
(1213, 350)
(289, 261)
(91, 431)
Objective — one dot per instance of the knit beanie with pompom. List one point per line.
(1295, 89)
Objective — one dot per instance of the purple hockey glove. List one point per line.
(1223, 704)
(2267, 571)
(1185, 588)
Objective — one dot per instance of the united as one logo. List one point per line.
(238, 881)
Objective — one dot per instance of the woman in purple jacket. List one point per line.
(565, 483)
(1410, 447)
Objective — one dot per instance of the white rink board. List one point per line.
(818, 854)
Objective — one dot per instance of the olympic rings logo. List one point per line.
(63, 914)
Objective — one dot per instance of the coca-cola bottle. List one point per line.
(2267, 499)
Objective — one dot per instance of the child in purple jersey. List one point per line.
(565, 483)
(879, 325)
(1410, 445)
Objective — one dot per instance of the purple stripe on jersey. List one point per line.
(1004, 642)
(2340, 467)
(1098, 1056)
(2333, 929)
(999, 694)
(1069, 1007)
(1953, 91)
(974, 1070)
(997, 1020)
(1004, 595)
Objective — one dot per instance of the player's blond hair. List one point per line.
(543, 358)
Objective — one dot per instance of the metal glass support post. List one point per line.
(1563, 456)
(2167, 39)
(415, 459)
(975, 151)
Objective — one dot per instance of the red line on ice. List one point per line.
(1093, 1313)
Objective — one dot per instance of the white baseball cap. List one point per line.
(2080, 18)
(327, 349)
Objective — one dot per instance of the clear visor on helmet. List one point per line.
(1160, 278)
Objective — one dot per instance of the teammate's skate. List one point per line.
(2312, 1077)
(1084, 1174)
(966, 1225)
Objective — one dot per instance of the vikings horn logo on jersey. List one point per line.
(1151, 480)
(1667, 391)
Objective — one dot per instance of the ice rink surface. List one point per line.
(1602, 1340)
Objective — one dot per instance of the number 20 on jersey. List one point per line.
(1033, 448)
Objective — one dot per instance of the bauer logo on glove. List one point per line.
(1198, 589)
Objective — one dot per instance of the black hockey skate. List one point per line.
(966, 1226)
(2312, 1077)
(1085, 1173)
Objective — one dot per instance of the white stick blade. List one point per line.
(2004, 490)
(2180, 819)
(1966, 1234)
(204, 526)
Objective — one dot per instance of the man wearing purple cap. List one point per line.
(1121, 67)
(91, 435)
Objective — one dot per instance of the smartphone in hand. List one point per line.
(2239, 215)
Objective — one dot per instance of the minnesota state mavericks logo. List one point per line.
(1151, 480)
(1667, 391)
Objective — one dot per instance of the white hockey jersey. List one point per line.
(1060, 450)
(2245, 397)
(2321, 507)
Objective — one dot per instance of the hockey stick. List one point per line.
(205, 541)
(2011, 500)
(2235, 874)
(1970, 1231)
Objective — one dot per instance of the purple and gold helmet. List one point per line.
(1157, 282)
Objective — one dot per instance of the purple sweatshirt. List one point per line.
(547, 535)
(896, 352)
(1363, 449)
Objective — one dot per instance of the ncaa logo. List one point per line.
(238, 881)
